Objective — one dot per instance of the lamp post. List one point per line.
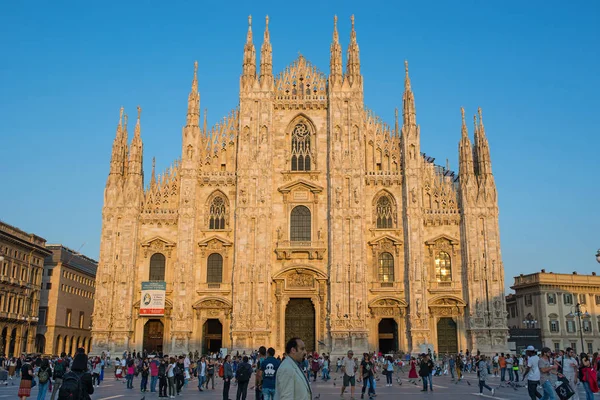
(579, 313)
(530, 322)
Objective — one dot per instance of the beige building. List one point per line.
(21, 266)
(551, 302)
(301, 213)
(67, 300)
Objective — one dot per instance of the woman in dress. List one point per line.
(26, 378)
(118, 369)
(12, 367)
(589, 378)
(412, 374)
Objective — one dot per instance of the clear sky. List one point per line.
(533, 66)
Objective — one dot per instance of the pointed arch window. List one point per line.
(443, 267)
(386, 268)
(214, 269)
(301, 151)
(217, 213)
(300, 224)
(384, 213)
(157, 267)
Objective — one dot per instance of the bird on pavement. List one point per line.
(318, 396)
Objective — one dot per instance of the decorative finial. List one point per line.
(249, 21)
(406, 66)
(153, 163)
(352, 19)
(195, 67)
(139, 110)
(335, 22)
(267, 22)
(125, 118)
(480, 116)
(462, 112)
(121, 114)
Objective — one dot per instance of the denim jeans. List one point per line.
(502, 374)
(424, 379)
(201, 381)
(482, 385)
(368, 381)
(589, 395)
(129, 378)
(532, 389)
(153, 380)
(510, 374)
(549, 393)
(42, 389)
(451, 368)
(268, 394)
(326, 374)
(430, 381)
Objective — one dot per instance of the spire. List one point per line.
(204, 124)
(193, 112)
(335, 59)
(249, 64)
(409, 113)
(118, 152)
(396, 131)
(482, 148)
(153, 177)
(135, 153)
(353, 64)
(266, 56)
(465, 152)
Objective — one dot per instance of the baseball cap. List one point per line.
(530, 348)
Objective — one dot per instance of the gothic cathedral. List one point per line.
(301, 213)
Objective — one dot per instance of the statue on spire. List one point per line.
(335, 57)
(353, 64)
(266, 58)
(249, 64)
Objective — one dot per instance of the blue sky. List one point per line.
(533, 67)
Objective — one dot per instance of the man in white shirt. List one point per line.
(532, 373)
(349, 370)
(570, 367)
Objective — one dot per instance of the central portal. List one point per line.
(300, 322)
(213, 336)
(153, 336)
(447, 336)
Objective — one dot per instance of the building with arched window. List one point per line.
(301, 213)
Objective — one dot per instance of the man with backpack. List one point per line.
(60, 368)
(226, 373)
(244, 373)
(179, 371)
(77, 384)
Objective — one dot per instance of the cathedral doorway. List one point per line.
(153, 336)
(447, 336)
(300, 322)
(388, 336)
(213, 336)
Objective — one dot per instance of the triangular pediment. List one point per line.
(396, 241)
(301, 184)
(301, 78)
(223, 241)
(158, 241)
(452, 240)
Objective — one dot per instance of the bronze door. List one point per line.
(447, 336)
(153, 336)
(300, 322)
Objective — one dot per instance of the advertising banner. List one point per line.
(152, 302)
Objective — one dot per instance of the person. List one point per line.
(130, 373)
(412, 373)
(314, 366)
(171, 377)
(570, 368)
(349, 371)
(547, 374)
(210, 373)
(291, 383)
(502, 365)
(451, 366)
(145, 372)
(588, 377)
(425, 369)
(482, 373)
(389, 370)
(509, 367)
(43, 374)
(516, 368)
(243, 375)
(262, 355)
(179, 372)
(532, 372)
(338, 365)
(60, 368)
(366, 372)
(268, 375)
(162, 377)
(227, 376)
(77, 383)
(459, 367)
(201, 370)
(153, 365)
(26, 379)
(96, 369)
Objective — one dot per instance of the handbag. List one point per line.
(563, 390)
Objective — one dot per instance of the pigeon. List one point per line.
(468, 383)
(377, 379)
(144, 398)
(318, 396)
(334, 384)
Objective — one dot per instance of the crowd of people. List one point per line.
(291, 374)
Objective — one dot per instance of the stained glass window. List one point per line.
(301, 148)
(443, 267)
(214, 269)
(384, 213)
(300, 224)
(386, 267)
(157, 267)
(217, 213)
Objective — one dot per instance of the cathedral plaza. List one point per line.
(301, 214)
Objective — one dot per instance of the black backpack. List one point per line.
(177, 370)
(243, 373)
(59, 369)
(162, 370)
(71, 387)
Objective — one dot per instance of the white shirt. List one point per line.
(569, 364)
(170, 374)
(534, 372)
(349, 366)
(202, 369)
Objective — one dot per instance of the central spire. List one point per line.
(249, 64)
(409, 112)
(266, 57)
(335, 60)
(193, 113)
(353, 64)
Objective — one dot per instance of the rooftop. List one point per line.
(71, 258)
(550, 278)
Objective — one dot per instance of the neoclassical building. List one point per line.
(301, 213)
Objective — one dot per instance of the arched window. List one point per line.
(157, 267)
(301, 147)
(443, 267)
(214, 268)
(300, 224)
(217, 213)
(384, 213)
(386, 268)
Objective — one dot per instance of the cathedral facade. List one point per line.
(301, 213)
